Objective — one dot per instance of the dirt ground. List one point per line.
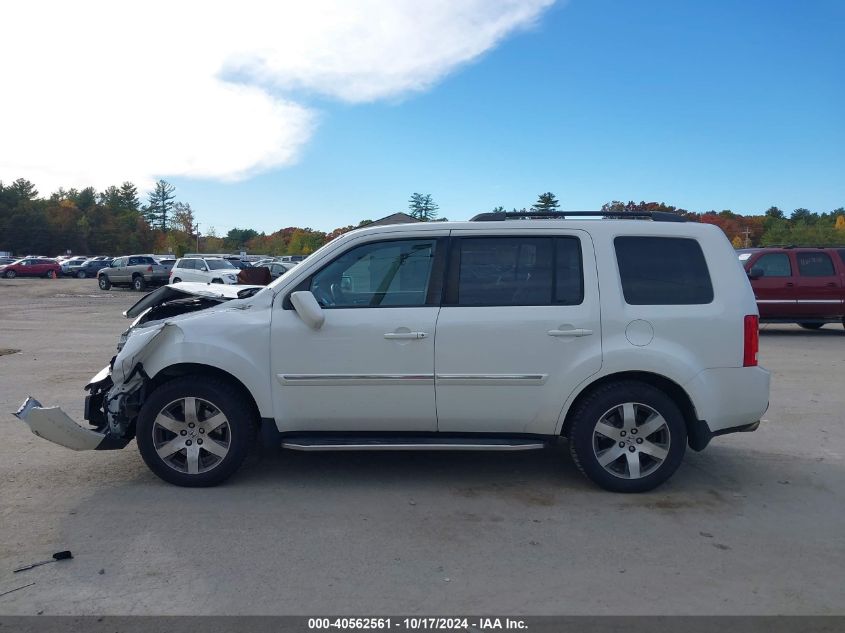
(753, 525)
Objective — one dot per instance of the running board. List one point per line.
(410, 444)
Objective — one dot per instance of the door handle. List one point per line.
(789, 284)
(573, 332)
(831, 285)
(405, 335)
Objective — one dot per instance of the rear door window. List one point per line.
(774, 265)
(515, 271)
(662, 271)
(812, 264)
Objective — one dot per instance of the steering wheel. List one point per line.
(323, 297)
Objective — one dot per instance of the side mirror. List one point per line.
(756, 273)
(308, 309)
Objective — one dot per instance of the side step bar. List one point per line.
(324, 443)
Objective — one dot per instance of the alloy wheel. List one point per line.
(631, 440)
(191, 435)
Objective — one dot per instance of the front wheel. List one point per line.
(81, 275)
(103, 282)
(811, 326)
(176, 280)
(628, 436)
(10, 274)
(51, 274)
(195, 431)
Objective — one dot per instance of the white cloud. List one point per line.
(97, 92)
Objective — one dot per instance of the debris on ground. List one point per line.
(63, 555)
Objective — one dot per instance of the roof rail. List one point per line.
(655, 216)
(788, 246)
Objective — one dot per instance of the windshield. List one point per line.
(218, 264)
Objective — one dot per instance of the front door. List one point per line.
(370, 367)
(774, 290)
(519, 329)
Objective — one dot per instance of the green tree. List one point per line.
(23, 189)
(801, 215)
(129, 200)
(160, 205)
(546, 202)
(774, 212)
(422, 207)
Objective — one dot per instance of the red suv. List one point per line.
(31, 267)
(803, 285)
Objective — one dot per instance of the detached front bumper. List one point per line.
(55, 425)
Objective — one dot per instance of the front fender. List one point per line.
(246, 357)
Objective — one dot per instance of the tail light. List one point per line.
(752, 340)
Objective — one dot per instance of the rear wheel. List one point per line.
(628, 436)
(138, 283)
(811, 326)
(103, 282)
(176, 280)
(195, 431)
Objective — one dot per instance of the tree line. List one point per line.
(116, 221)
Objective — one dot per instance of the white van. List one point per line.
(633, 339)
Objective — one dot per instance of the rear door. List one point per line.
(775, 289)
(818, 286)
(519, 329)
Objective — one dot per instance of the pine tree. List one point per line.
(160, 205)
(422, 207)
(129, 200)
(546, 202)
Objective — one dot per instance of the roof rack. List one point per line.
(655, 216)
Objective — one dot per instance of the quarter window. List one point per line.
(381, 274)
(516, 271)
(662, 271)
(815, 264)
(774, 265)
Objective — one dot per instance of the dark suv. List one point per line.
(803, 285)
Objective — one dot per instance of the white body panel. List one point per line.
(502, 369)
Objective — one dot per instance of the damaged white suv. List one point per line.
(633, 339)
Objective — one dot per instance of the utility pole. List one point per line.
(197, 231)
(747, 233)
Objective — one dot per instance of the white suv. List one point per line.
(209, 270)
(633, 339)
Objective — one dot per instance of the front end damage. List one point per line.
(116, 393)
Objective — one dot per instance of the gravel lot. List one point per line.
(754, 525)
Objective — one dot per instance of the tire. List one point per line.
(103, 282)
(172, 453)
(811, 326)
(81, 274)
(633, 461)
(10, 274)
(176, 280)
(138, 283)
(50, 274)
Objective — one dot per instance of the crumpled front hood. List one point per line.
(182, 290)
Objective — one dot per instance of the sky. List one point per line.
(328, 112)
